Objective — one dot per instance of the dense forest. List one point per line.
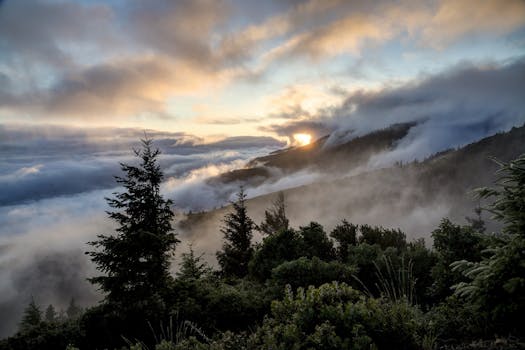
(356, 287)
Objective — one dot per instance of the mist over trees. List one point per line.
(356, 287)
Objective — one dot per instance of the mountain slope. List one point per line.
(319, 155)
(413, 197)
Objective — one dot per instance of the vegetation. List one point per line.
(275, 219)
(135, 261)
(238, 231)
(360, 287)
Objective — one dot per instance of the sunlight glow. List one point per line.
(302, 139)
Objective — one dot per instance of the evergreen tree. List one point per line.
(135, 261)
(73, 310)
(345, 234)
(32, 316)
(275, 219)
(192, 266)
(237, 230)
(50, 315)
(495, 285)
(316, 243)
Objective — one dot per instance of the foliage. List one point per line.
(316, 243)
(345, 234)
(45, 336)
(73, 310)
(192, 266)
(275, 219)
(136, 260)
(383, 237)
(237, 249)
(452, 243)
(215, 305)
(304, 272)
(335, 316)
(500, 275)
(32, 317)
(50, 315)
(282, 246)
(509, 194)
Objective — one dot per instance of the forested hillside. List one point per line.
(413, 196)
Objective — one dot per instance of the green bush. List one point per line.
(305, 272)
(336, 316)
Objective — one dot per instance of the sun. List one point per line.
(302, 139)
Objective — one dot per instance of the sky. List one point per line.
(217, 83)
(222, 68)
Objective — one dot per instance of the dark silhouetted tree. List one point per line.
(32, 316)
(382, 236)
(452, 243)
(275, 219)
(345, 234)
(50, 315)
(135, 261)
(273, 251)
(73, 310)
(316, 242)
(237, 248)
(192, 266)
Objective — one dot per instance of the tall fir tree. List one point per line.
(237, 248)
(275, 219)
(136, 260)
(51, 314)
(32, 316)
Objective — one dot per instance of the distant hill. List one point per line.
(413, 197)
(318, 155)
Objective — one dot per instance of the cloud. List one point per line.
(455, 19)
(48, 32)
(181, 29)
(118, 88)
(452, 108)
(347, 35)
(42, 253)
(44, 162)
(316, 128)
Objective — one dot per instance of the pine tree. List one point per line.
(192, 266)
(135, 261)
(275, 218)
(73, 310)
(32, 316)
(238, 230)
(50, 315)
